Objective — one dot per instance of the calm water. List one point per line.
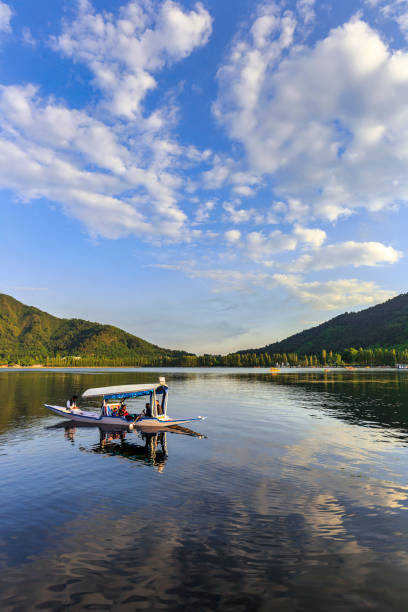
(294, 497)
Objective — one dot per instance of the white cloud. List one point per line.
(49, 124)
(271, 217)
(243, 190)
(5, 17)
(123, 53)
(394, 10)
(328, 124)
(335, 294)
(242, 215)
(28, 38)
(295, 210)
(117, 176)
(339, 294)
(203, 211)
(48, 150)
(259, 247)
(230, 280)
(233, 236)
(196, 155)
(306, 10)
(226, 171)
(218, 174)
(310, 236)
(349, 253)
(224, 280)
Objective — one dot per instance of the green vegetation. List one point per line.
(30, 336)
(350, 356)
(384, 325)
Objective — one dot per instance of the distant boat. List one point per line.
(156, 418)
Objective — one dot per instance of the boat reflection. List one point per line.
(149, 448)
(151, 451)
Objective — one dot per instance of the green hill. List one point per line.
(27, 332)
(384, 325)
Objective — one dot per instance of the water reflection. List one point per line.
(367, 399)
(360, 397)
(149, 448)
(364, 399)
(298, 501)
(153, 450)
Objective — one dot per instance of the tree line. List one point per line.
(362, 357)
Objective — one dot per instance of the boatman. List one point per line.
(72, 403)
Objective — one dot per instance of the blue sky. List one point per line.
(209, 176)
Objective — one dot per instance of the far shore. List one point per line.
(274, 371)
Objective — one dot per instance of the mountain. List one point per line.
(384, 325)
(26, 331)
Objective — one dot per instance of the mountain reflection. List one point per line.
(373, 400)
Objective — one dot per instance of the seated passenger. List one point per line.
(125, 414)
(71, 404)
(123, 410)
(148, 410)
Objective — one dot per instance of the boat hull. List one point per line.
(83, 416)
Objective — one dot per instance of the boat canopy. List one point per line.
(126, 391)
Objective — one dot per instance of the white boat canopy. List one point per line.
(124, 391)
(121, 392)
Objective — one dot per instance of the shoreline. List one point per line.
(256, 369)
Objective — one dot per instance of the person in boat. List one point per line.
(124, 413)
(72, 403)
(148, 410)
(158, 408)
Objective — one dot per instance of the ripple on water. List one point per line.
(296, 499)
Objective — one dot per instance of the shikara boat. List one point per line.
(155, 416)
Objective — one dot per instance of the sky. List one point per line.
(209, 176)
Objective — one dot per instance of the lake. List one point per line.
(292, 495)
